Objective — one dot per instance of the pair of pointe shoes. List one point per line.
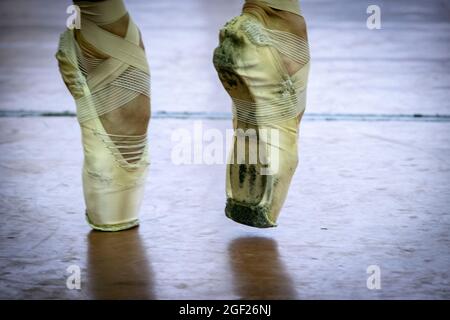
(262, 61)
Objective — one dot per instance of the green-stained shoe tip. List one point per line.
(250, 215)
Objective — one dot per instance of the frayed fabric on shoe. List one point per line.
(264, 69)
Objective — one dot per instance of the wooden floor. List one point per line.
(372, 187)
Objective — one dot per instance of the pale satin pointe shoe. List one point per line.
(115, 165)
(264, 69)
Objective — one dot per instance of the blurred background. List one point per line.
(372, 187)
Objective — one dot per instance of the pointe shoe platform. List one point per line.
(263, 64)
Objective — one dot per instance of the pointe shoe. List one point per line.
(115, 165)
(265, 71)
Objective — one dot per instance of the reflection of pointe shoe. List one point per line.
(118, 267)
(115, 165)
(254, 63)
(258, 270)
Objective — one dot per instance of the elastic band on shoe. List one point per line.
(287, 43)
(292, 99)
(117, 144)
(271, 112)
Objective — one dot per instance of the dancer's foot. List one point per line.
(105, 68)
(133, 117)
(263, 63)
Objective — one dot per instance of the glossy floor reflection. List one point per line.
(258, 271)
(118, 266)
(338, 220)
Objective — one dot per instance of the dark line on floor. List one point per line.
(227, 116)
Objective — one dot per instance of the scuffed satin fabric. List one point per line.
(112, 192)
(256, 71)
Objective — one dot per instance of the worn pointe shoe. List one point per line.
(263, 63)
(115, 165)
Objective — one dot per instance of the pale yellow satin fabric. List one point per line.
(251, 63)
(115, 166)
